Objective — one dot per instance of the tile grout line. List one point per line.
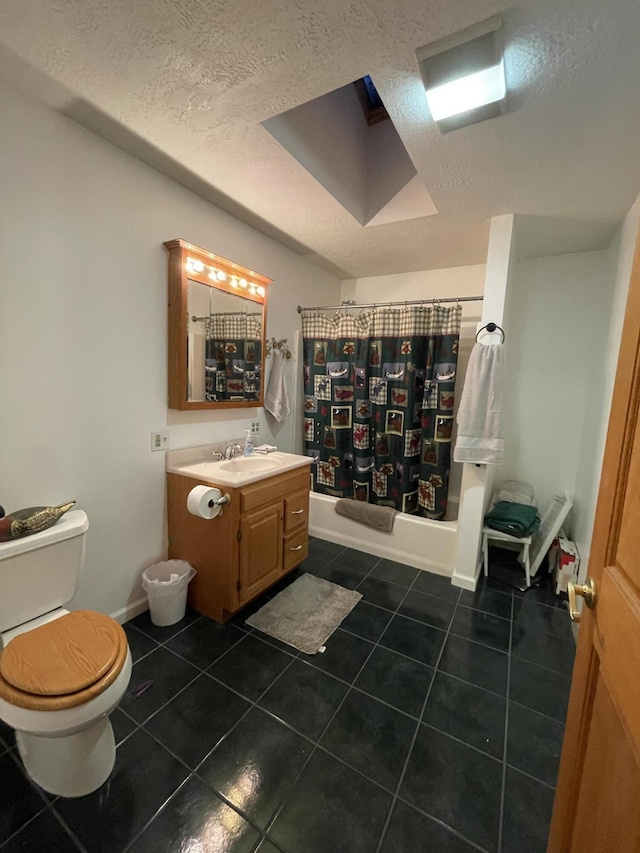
(351, 686)
(200, 672)
(417, 728)
(503, 785)
(193, 771)
(48, 805)
(316, 745)
(57, 816)
(129, 844)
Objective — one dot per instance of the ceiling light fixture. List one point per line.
(467, 93)
(464, 76)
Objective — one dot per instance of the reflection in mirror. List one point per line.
(224, 359)
(217, 319)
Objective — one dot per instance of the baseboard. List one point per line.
(464, 581)
(129, 611)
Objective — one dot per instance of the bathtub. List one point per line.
(418, 542)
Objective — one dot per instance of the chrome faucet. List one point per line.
(232, 450)
(218, 455)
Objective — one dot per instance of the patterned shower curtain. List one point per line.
(233, 356)
(379, 394)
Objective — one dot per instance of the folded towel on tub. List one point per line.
(378, 517)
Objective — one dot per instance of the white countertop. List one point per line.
(197, 463)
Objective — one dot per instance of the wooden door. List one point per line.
(597, 804)
(260, 550)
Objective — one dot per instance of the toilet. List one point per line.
(61, 673)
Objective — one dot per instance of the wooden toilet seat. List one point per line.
(63, 663)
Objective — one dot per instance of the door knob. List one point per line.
(586, 591)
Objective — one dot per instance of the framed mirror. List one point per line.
(217, 323)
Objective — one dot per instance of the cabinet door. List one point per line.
(260, 550)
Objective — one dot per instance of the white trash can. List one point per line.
(166, 586)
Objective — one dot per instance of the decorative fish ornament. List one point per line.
(33, 519)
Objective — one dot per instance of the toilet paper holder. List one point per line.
(221, 501)
(207, 502)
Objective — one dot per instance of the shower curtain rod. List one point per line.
(225, 314)
(351, 304)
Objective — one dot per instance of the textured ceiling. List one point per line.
(185, 84)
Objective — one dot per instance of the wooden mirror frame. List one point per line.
(182, 256)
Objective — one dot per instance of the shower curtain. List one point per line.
(233, 355)
(378, 405)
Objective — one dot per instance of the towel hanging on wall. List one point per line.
(276, 400)
(480, 416)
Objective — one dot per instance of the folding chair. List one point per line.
(535, 546)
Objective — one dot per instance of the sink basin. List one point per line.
(249, 463)
(197, 464)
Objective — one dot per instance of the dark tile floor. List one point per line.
(433, 722)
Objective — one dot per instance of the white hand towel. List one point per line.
(276, 400)
(480, 416)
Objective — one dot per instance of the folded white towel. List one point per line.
(480, 416)
(276, 400)
(515, 491)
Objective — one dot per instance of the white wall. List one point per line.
(558, 339)
(83, 337)
(431, 284)
(588, 480)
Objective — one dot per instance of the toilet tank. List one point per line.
(41, 572)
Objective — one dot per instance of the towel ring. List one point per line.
(491, 327)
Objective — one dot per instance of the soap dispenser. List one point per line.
(248, 444)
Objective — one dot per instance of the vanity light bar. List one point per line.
(226, 275)
(194, 265)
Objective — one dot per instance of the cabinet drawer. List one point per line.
(264, 491)
(296, 510)
(296, 549)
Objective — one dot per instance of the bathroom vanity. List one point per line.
(260, 535)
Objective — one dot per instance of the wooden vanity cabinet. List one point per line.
(257, 539)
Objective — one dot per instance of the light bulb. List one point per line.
(198, 266)
(261, 291)
(221, 276)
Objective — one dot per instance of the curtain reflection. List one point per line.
(233, 356)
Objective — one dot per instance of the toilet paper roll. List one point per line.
(201, 501)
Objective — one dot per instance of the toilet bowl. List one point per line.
(61, 672)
